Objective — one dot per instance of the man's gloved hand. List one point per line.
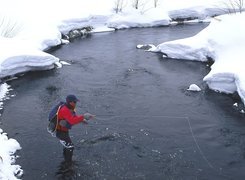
(88, 116)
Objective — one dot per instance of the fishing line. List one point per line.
(162, 116)
(136, 116)
(197, 145)
(200, 150)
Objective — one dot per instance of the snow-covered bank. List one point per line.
(166, 12)
(227, 73)
(7, 158)
(22, 58)
(224, 42)
(28, 33)
(4, 91)
(8, 147)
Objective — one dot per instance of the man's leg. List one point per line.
(68, 146)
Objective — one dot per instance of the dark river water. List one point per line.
(148, 125)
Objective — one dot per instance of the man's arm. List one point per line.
(70, 118)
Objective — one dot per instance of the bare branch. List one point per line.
(155, 3)
(119, 4)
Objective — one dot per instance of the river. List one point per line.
(148, 125)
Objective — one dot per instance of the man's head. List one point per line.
(72, 100)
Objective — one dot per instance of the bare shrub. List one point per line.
(142, 5)
(234, 6)
(155, 3)
(136, 4)
(119, 4)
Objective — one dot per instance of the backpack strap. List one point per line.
(57, 119)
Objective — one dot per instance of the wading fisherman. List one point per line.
(66, 119)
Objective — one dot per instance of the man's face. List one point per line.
(73, 104)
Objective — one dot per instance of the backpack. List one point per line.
(53, 118)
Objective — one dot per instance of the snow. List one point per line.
(28, 28)
(8, 146)
(22, 58)
(194, 87)
(135, 18)
(227, 74)
(7, 159)
(4, 90)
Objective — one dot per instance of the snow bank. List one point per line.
(190, 9)
(36, 31)
(25, 34)
(22, 42)
(131, 18)
(4, 90)
(227, 73)
(17, 57)
(7, 147)
(7, 159)
(224, 42)
(189, 49)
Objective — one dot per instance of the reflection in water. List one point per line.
(67, 170)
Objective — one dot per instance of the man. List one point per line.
(66, 119)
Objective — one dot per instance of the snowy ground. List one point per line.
(27, 28)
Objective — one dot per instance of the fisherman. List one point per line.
(66, 119)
